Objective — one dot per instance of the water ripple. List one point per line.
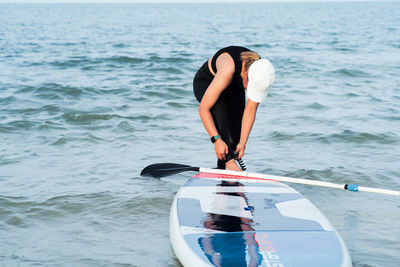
(346, 136)
(354, 73)
(52, 91)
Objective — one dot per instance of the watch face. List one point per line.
(215, 138)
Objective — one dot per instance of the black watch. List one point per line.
(215, 138)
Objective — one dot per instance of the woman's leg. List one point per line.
(226, 117)
(227, 127)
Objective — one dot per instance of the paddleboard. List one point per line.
(230, 220)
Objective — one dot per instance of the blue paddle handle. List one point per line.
(351, 187)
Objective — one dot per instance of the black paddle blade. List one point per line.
(159, 170)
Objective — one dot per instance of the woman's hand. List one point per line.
(221, 149)
(240, 150)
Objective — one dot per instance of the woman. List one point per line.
(219, 86)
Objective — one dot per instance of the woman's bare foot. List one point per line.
(232, 166)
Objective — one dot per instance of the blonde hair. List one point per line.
(249, 57)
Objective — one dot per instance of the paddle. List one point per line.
(159, 170)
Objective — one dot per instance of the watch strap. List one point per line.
(215, 138)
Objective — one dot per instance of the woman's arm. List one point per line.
(248, 119)
(223, 77)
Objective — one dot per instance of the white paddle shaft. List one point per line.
(259, 176)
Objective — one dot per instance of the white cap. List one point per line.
(261, 76)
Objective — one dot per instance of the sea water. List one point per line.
(91, 94)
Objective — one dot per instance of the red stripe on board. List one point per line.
(205, 175)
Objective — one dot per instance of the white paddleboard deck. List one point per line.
(226, 220)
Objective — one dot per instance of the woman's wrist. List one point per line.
(215, 138)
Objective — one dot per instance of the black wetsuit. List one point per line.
(228, 110)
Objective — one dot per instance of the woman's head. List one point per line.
(248, 58)
(259, 74)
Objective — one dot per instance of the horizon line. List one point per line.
(175, 1)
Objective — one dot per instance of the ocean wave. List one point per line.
(124, 126)
(72, 62)
(325, 174)
(20, 211)
(354, 73)
(352, 94)
(167, 69)
(53, 117)
(23, 119)
(88, 63)
(62, 44)
(317, 106)
(299, 47)
(4, 160)
(18, 126)
(24, 125)
(363, 137)
(391, 118)
(86, 137)
(395, 45)
(52, 91)
(346, 136)
(121, 45)
(170, 60)
(336, 174)
(8, 100)
(176, 105)
(345, 49)
(125, 59)
(87, 118)
(94, 118)
(265, 45)
(166, 93)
